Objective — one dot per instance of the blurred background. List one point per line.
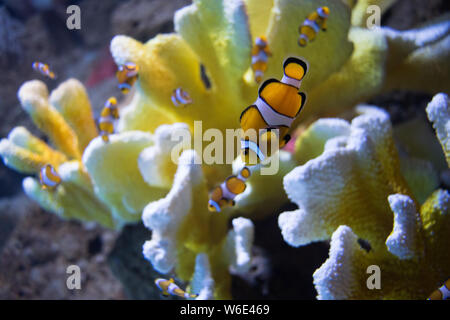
(36, 247)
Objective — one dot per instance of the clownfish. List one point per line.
(443, 293)
(315, 22)
(127, 76)
(179, 96)
(107, 116)
(224, 195)
(44, 69)
(48, 177)
(169, 287)
(277, 106)
(260, 54)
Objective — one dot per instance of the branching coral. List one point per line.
(182, 228)
(439, 114)
(354, 190)
(113, 182)
(69, 131)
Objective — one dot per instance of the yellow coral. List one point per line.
(33, 96)
(355, 189)
(182, 227)
(66, 118)
(113, 183)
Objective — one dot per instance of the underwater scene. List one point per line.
(225, 150)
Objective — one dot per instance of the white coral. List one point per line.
(404, 241)
(202, 282)
(439, 113)
(165, 216)
(155, 162)
(239, 244)
(335, 278)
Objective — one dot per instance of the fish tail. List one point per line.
(105, 136)
(295, 68)
(302, 40)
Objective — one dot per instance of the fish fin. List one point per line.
(265, 84)
(171, 280)
(245, 110)
(295, 68)
(245, 172)
(285, 140)
(235, 185)
(268, 135)
(249, 114)
(302, 104)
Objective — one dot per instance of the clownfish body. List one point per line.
(127, 76)
(315, 22)
(107, 117)
(168, 287)
(44, 69)
(49, 178)
(443, 293)
(180, 97)
(224, 195)
(260, 54)
(277, 106)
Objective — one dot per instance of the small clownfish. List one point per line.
(277, 106)
(127, 76)
(44, 69)
(260, 54)
(315, 21)
(169, 287)
(443, 293)
(179, 96)
(48, 177)
(107, 116)
(224, 195)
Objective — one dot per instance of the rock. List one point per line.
(41, 246)
(278, 270)
(406, 14)
(143, 19)
(129, 266)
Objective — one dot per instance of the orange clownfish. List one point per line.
(224, 195)
(260, 54)
(127, 76)
(179, 96)
(315, 22)
(277, 106)
(443, 293)
(169, 287)
(48, 177)
(44, 69)
(107, 116)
